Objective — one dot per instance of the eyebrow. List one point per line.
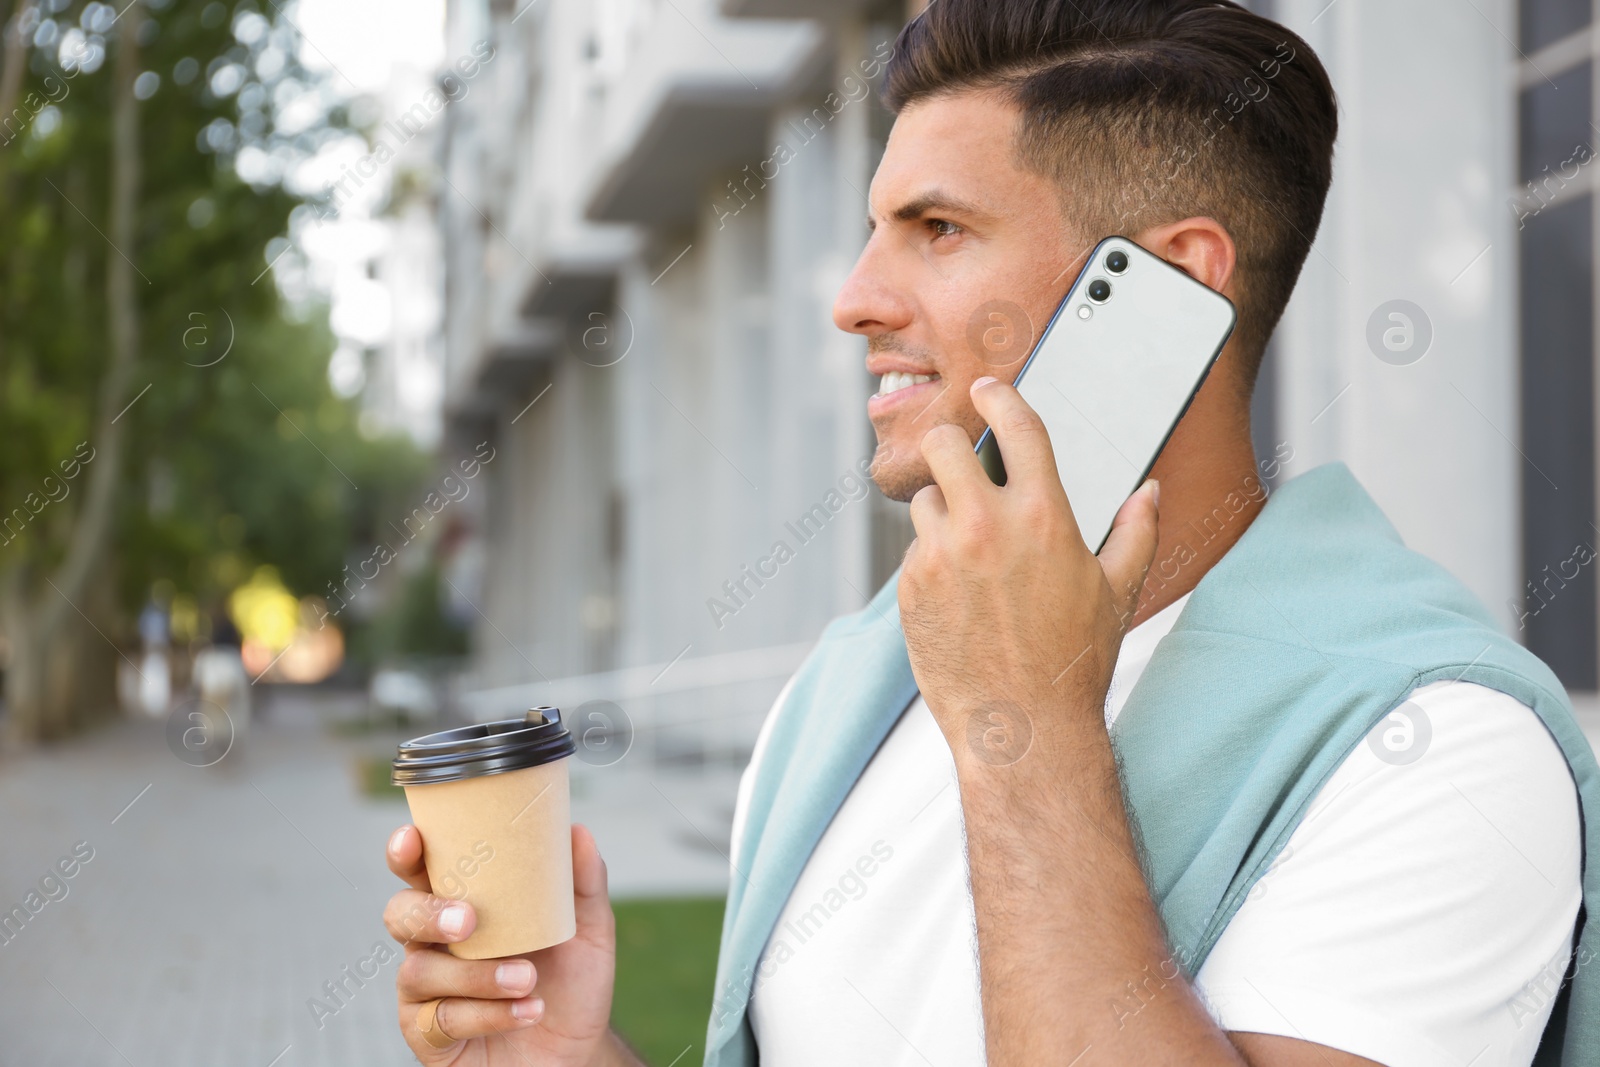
(932, 202)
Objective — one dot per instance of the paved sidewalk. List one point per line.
(218, 901)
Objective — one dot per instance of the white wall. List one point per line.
(1422, 168)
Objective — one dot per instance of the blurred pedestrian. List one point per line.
(223, 688)
(155, 675)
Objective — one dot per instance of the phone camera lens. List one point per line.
(1099, 290)
(1117, 262)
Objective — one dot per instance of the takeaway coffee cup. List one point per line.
(493, 805)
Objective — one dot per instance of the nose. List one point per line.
(870, 302)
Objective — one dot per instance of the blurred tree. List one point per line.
(168, 417)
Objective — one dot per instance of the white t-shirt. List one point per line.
(1421, 914)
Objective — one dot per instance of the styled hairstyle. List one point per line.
(1149, 111)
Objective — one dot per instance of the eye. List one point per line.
(943, 228)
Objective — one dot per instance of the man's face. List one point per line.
(967, 260)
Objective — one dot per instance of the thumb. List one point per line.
(589, 882)
(1131, 547)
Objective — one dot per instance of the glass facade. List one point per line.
(1544, 22)
(1554, 206)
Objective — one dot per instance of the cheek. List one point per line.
(999, 335)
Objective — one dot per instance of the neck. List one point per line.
(1210, 494)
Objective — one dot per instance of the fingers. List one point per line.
(405, 857)
(415, 916)
(1024, 443)
(427, 974)
(1131, 547)
(956, 468)
(461, 1018)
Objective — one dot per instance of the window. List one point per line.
(1554, 206)
(1545, 22)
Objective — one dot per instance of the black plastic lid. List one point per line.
(486, 748)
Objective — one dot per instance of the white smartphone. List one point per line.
(1113, 372)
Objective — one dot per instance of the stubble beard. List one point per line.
(899, 476)
(895, 478)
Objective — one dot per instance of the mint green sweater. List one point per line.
(1315, 625)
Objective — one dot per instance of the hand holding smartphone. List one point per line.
(1117, 366)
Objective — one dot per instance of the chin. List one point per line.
(898, 479)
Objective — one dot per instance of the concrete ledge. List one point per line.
(696, 125)
(510, 363)
(694, 133)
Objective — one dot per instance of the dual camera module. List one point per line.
(1099, 290)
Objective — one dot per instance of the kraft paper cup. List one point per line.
(493, 804)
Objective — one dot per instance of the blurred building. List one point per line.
(638, 316)
(404, 370)
(648, 206)
(401, 360)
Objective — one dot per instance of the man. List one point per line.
(1337, 821)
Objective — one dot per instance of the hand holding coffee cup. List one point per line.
(510, 890)
(550, 1008)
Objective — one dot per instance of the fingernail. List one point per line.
(396, 837)
(453, 919)
(981, 382)
(514, 975)
(1155, 492)
(531, 1008)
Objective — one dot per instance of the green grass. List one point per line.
(666, 971)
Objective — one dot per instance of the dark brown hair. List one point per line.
(1150, 111)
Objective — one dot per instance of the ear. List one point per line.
(1198, 246)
